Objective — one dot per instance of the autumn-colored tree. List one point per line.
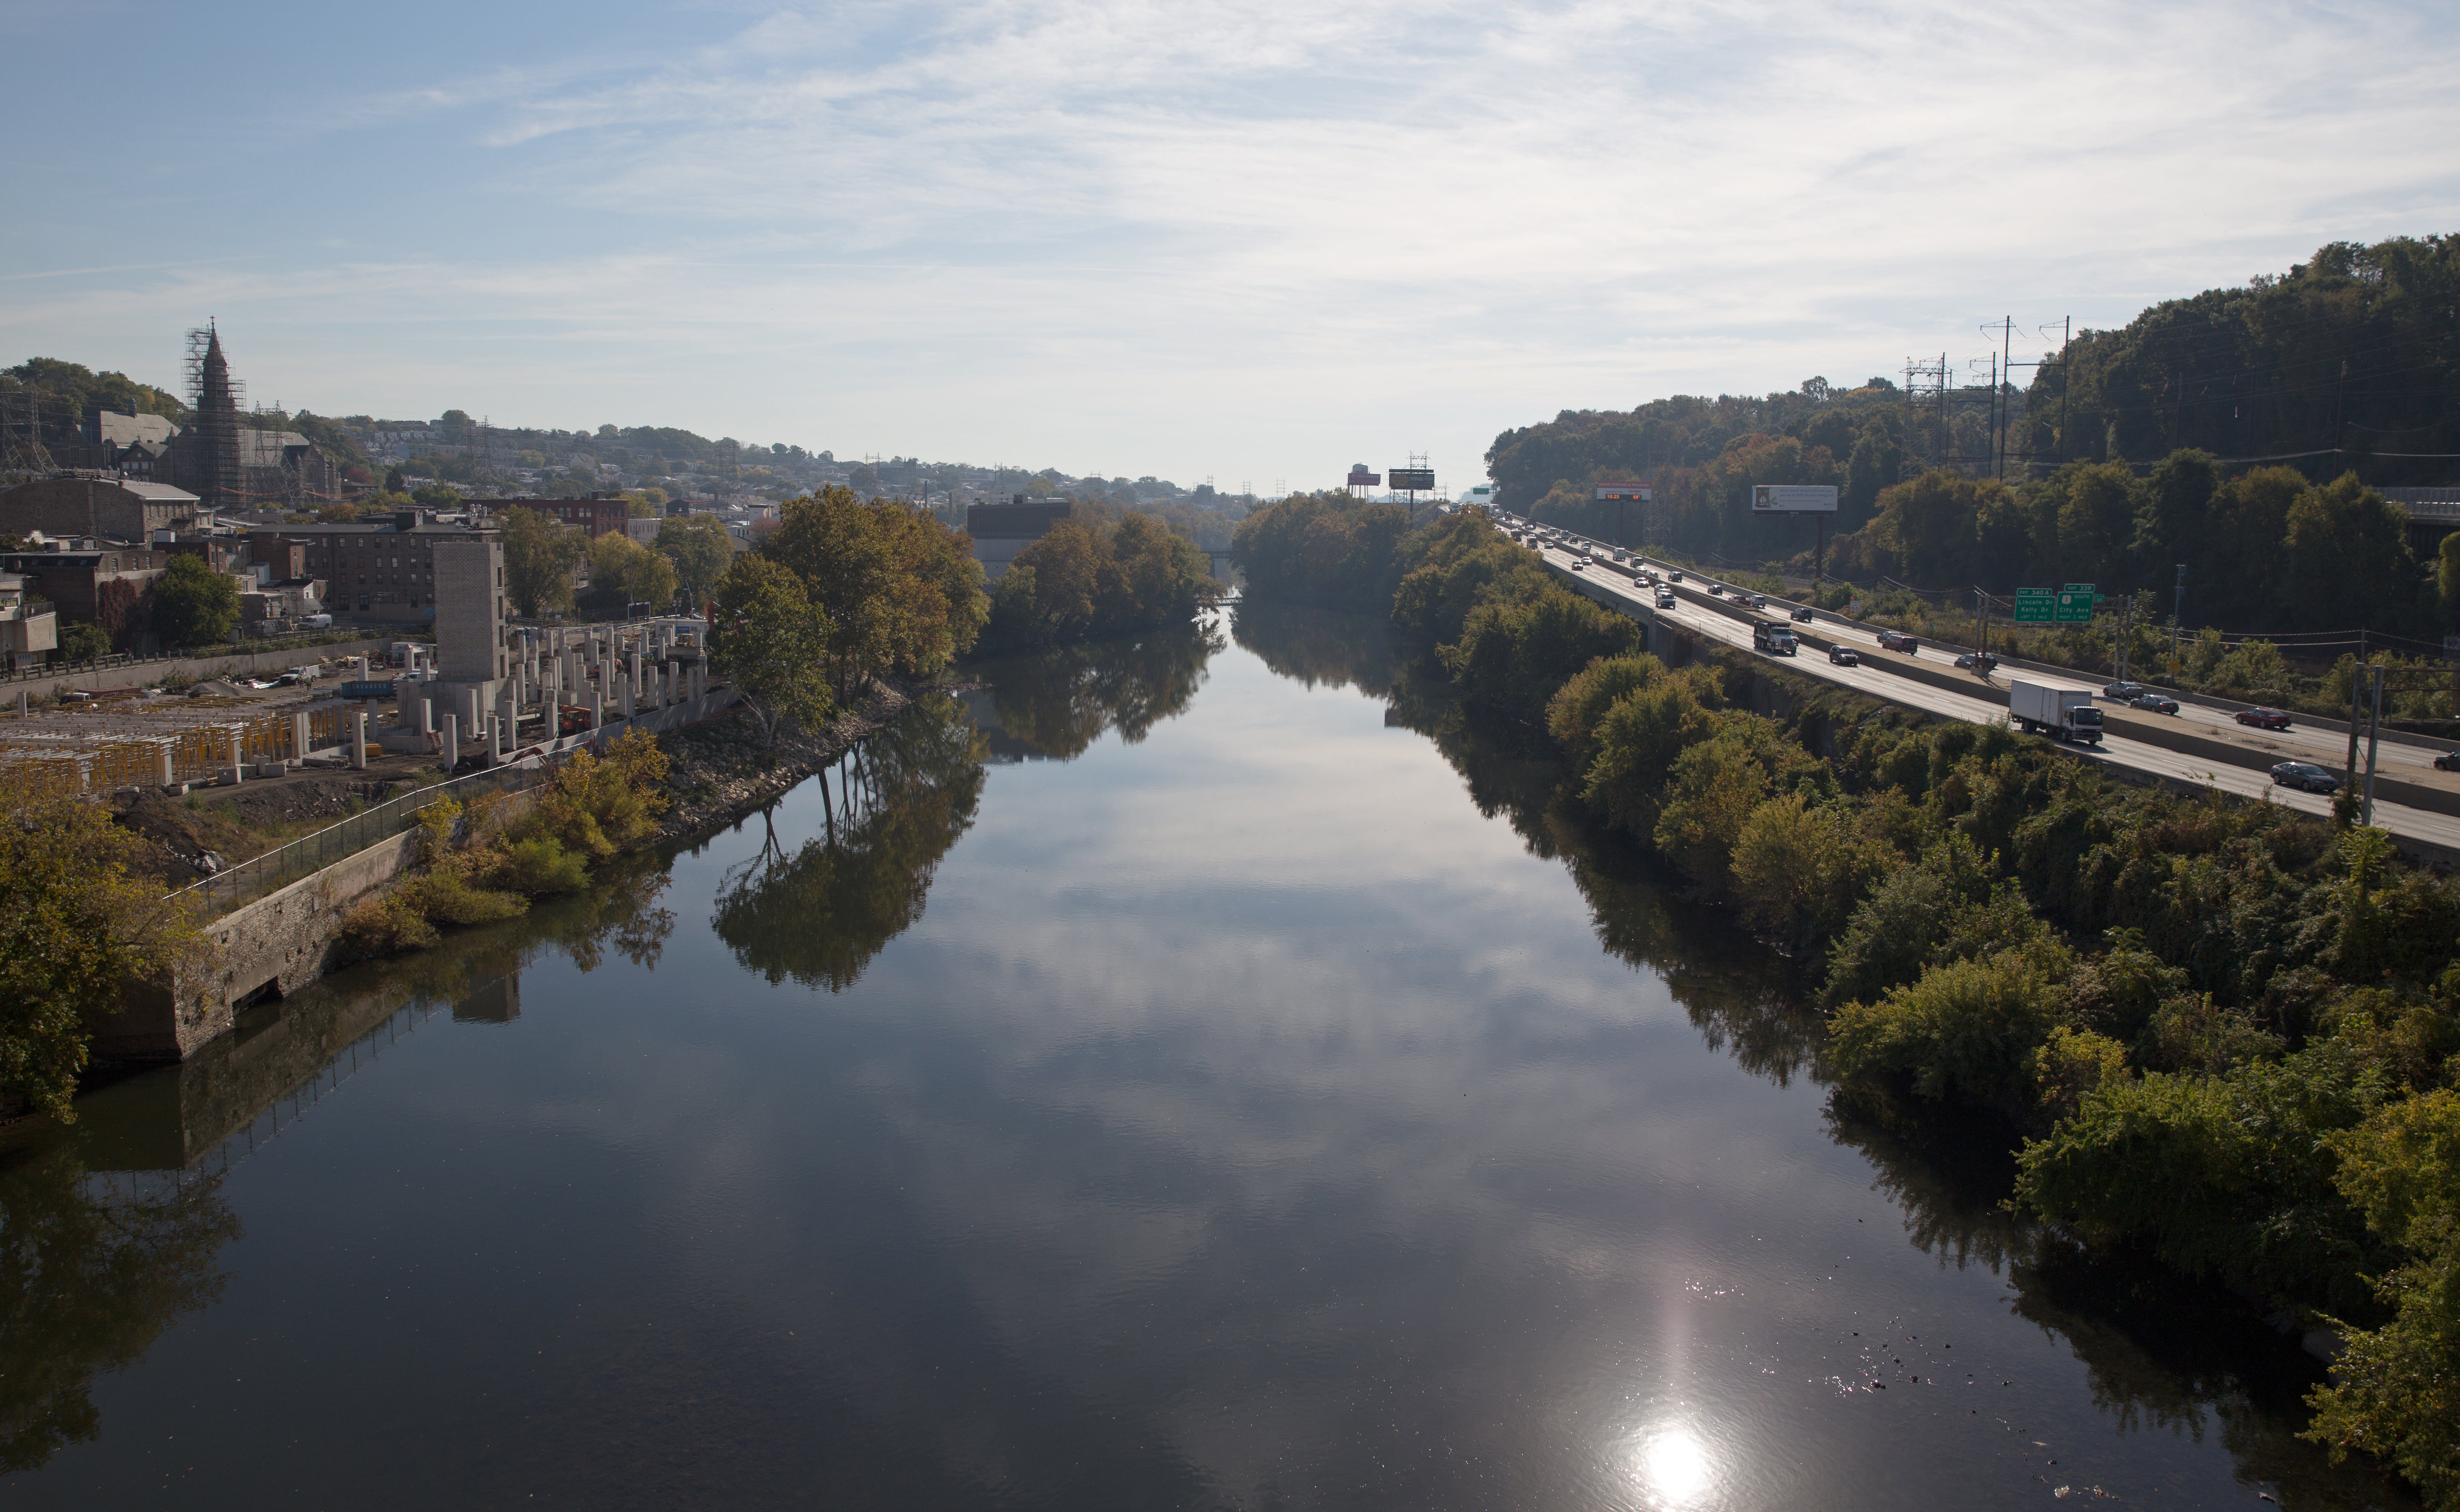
(540, 553)
(771, 643)
(76, 930)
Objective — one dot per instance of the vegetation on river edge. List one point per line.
(479, 862)
(78, 919)
(2220, 1033)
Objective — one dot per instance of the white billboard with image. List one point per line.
(1793, 498)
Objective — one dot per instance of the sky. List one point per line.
(1249, 241)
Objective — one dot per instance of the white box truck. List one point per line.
(2063, 714)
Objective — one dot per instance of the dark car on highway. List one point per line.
(2305, 775)
(1802, 613)
(1897, 640)
(1844, 655)
(1968, 661)
(2448, 760)
(2264, 717)
(2158, 702)
(2122, 692)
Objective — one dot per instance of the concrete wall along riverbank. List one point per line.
(276, 918)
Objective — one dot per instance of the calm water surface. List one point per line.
(1167, 1079)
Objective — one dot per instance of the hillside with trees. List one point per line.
(2242, 433)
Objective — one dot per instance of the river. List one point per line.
(1189, 1074)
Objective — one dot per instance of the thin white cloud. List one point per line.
(1086, 231)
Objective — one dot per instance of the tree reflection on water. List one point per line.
(91, 1270)
(2161, 1353)
(1057, 704)
(819, 915)
(1319, 647)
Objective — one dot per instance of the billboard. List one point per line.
(1793, 498)
(1360, 477)
(1420, 480)
(1623, 489)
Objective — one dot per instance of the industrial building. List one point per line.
(1001, 531)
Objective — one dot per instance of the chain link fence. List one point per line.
(245, 883)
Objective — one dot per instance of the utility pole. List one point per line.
(2374, 723)
(2339, 406)
(1981, 634)
(2177, 622)
(2066, 383)
(2349, 772)
(2007, 351)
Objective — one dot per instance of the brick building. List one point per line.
(109, 508)
(385, 572)
(101, 584)
(599, 514)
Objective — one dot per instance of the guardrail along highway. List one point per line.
(2222, 753)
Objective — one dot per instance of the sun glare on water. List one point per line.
(1674, 1467)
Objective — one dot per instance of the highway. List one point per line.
(2434, 836)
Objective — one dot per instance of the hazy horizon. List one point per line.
(1246, 242)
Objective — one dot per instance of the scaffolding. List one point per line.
(212, 405)
(98, 750)
(22, 453)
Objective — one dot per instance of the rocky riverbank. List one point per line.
(718, 771)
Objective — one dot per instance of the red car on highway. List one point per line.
(2264, 717)
(1897, 640)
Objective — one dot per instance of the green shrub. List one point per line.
(2221, 1175)
(1637, 742)
(538, 867)
(386, 925)
(1964, 1032)
(1511, 658)
(2072, 1064)
(1574, 712)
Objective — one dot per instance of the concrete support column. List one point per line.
(299, 736)
(596, 709)
(495, 742)
(161, 761)
(427, 716)
(632, 673)
(625, 686)
(359, 739)
(238, 759)
(450, 748)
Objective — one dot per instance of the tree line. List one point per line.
(2220, 1033)
(1087, 581)
(2238, 432)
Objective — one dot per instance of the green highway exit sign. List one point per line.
(2071, 604)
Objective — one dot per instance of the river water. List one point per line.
(1189, 1074)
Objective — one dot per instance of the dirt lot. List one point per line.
(220, 827)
